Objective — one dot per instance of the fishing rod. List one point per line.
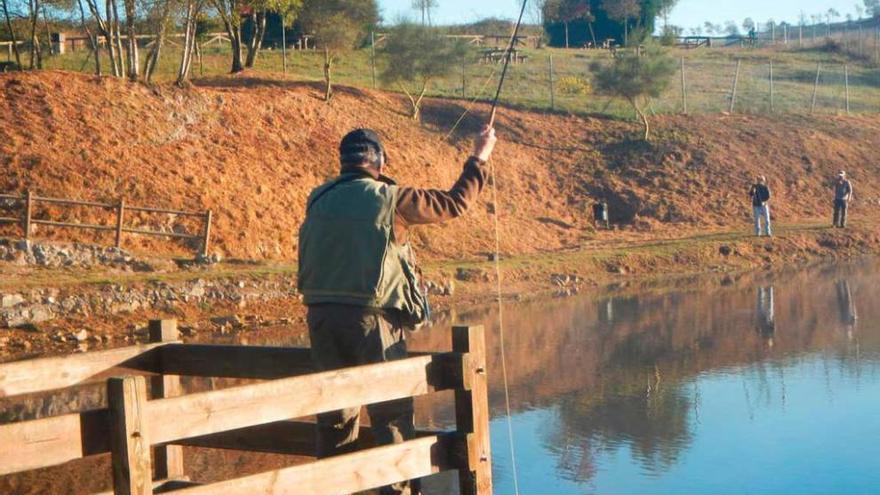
(507, 57)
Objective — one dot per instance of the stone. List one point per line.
(725, 250)
(11, 300)
(81, 336)
(223, 321)
(471, 275)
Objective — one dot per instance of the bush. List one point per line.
(574, 86)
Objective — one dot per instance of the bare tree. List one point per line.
(11, 28)
(93, 39)
(338, 26)
(230, 14)
(622, 11)
(160, 17)
(425, 7)
(192, 8)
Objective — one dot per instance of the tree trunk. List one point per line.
(328, 65)
(189, 42)
(131, 47)
(93, 40)
(12, 34)
(46, 28)
(625, 33)
(106, 31)
(161, 30)
(566, 33)
(257, 33)
(644, 118)
(116, 38)
(36, 61)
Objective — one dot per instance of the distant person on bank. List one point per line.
(843, 195)
(760, 196)
(359, 278)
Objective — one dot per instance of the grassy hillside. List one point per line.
(251, 148)
(709, 78)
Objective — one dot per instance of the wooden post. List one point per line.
(168, 458)
(129, 438)
(846, 85)
(463, 77)
(735, 82)
(684, 93)
(120, 218)
(28, 213)
(373, 56)
(472, 412)
(800, 36)
(816, 87)
(283, 46)
(772, 107)
(206, 237)
(550, 74)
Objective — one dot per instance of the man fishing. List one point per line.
(359, 279)
(843, 194)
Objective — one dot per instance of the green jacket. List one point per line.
(347, 251)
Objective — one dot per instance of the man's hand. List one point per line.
(485, 143)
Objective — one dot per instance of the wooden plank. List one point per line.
(472, 412)
(350, 473)
(168, 459)
(48, 442)
(230, 361)
(129, 437)
(39, 375)
(280, 437)
(238, 407)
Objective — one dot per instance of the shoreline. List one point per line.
(258, 296)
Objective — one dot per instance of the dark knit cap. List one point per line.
(359, 140)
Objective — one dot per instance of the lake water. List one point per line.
(766, 385)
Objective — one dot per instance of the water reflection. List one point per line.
(697, 391)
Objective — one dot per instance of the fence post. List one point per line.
(550, 73)
(28, 213)
(283, 46)
(735, 82)
(120, 218)
(463, 76)
(472, 412)
(206, 236)
(684, 94)
(373, 57)
(846, 85)
(816, 87)
(772, 107)
(168, 458)
(129, 438)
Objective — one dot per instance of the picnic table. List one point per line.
(496, 55)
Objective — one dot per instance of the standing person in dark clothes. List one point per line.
(760, 196)
(359, 279)
(843, 194)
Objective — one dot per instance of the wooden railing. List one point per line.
(257, 417)
(27, 203)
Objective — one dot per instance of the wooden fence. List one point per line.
(255, 417)
(29, 201)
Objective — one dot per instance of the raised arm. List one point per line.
(424, 206)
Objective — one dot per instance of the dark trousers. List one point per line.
(344, 336)
(840, 207)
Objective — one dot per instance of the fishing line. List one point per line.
(496, 214)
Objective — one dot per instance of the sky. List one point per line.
(688, 13)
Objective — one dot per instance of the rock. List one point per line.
(11, 300)
(725, 250)
(224, 321)
(81, 336)
(493, 257)
(471, 275)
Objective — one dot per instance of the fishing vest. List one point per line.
(347, 251)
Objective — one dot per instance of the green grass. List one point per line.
(709, 74)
